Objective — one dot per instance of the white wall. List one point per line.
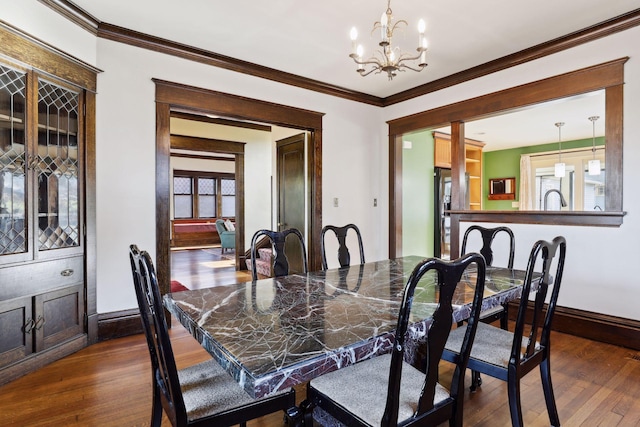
(40, 21)
(600, 271)
(600, 274)
(126, 124)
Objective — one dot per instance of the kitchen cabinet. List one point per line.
(473, 164)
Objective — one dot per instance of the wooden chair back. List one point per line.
(344, 257)
(163, 365)
(449, 274)
(280, 264)
(488, 235)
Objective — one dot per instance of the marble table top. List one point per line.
(278, 332)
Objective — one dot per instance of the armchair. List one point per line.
(227, 238)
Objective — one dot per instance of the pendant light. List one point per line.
(559, 168)
(594, 165)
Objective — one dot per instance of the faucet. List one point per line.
(563, 202)
(597, 207)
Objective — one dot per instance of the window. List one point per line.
(203, 195)
(581, 191)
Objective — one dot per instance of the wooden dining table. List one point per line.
(274, 333)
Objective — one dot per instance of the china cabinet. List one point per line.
(43, 305)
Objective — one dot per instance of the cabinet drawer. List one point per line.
(36, 277)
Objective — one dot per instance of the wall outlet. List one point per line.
(515, 204)
(375, 203)
(335, 202)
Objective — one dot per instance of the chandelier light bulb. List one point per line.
(421, 26)
(353, 34)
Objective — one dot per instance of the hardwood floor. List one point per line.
(205, 267)
(109, 383)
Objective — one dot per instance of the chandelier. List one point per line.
(388, 60)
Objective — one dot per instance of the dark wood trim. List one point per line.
(74, 13)
(180, 142)
(157, 44)
(239, 107)
(90, 203)
(395, 196)
(195, 173)
(163, 195)
(600, 76)
(594, 326)
(203, 157)
(594, 32)
(240, 211)
(30, 50)
(614, 143)
(182, 97)
(219, 121)
(608, 76)
(112, 32)
(118, 324)
(580, 218)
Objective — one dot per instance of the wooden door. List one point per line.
(291, 193)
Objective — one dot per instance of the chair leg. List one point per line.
(476, 381)
(513, 388)
(504, 319)
(156, 407)
(545, 374)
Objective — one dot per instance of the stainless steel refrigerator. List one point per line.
(442, 204)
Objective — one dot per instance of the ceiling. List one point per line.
(311, 38)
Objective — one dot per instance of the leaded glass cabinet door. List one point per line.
(57, 170)
(13, 165)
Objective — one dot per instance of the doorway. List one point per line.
(176, 97)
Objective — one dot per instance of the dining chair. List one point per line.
(385, 390)
(509, 356)
(344, 257)
(280, 263)
(488, 235)
(499, 312)
(200, 395)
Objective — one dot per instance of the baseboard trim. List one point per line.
(594, 326)
(118, 324)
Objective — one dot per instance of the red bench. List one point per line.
(194, 232)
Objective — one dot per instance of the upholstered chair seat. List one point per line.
(362, 398)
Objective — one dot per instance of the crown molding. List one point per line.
(75, 14)
(145, 41)
(603, 29)
(157, 44)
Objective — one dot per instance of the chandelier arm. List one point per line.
(402, 21)
(371, 61)
(401, 66)
(363, 74)
(403, 57)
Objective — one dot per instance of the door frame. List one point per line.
(178, 97)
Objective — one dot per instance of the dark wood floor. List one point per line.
(109, 384)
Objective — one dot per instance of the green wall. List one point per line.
(417, 195)
(506, 164)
